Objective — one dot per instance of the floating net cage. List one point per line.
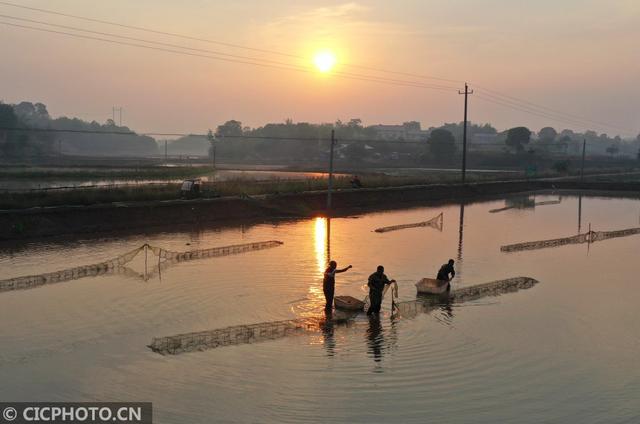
(435, 222)
(253, 333)
(235, 335)
(117, 264)
(588, 237)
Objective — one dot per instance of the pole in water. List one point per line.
(145, 262)
(330, 182)
(464, 132)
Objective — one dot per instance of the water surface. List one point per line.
(563, 351)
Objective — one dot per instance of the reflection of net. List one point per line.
(588, 237)
(525, 205)
(252, 333)
(239, 334)
(435, 222)
(411, 308)
(116, 265)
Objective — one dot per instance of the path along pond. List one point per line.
(565, 350)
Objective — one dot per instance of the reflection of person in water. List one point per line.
(375, 338)
(328, 328)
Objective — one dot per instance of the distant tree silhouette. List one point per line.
(442, 144)
(547, 135)
(231, 128)
(517, 138)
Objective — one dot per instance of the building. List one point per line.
(409, 131)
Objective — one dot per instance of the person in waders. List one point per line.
(376, 284)
(445, 271)
(329, 282)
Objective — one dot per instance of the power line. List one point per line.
(512, 105)
(497, 97)
(250, 61)
(226, 44)
(325, 138)
(526, 102)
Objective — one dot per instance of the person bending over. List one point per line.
(376, 284)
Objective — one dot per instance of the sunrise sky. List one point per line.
(580, 57)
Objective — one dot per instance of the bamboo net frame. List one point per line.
(435, 222)
(259, 332)
(588, 237)
(117, 264)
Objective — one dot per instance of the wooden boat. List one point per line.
(348, 303)
(432, 286)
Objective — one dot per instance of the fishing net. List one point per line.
(117, 264)
(394, 295)
(253, 333)
(426, 304)
(214, 251)
(435, 222)
(106, 267)
(588, 237)
(235, 335)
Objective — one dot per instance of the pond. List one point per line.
(565, 350)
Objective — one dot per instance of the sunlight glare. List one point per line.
(325, 60)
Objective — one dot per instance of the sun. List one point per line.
(324, 60)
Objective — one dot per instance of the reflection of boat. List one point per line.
(432, 286)
(348, 303)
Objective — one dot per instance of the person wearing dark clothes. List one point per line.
(355, 182)
(329, 282)
(376, 284)
(445, 270)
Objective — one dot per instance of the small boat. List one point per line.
(432, 286)
(348, 303)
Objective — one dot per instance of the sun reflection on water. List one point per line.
(315, 296)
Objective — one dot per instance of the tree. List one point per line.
(547, 135)
(230, 128)
(442, 144)
(517, 137)
(613, 149)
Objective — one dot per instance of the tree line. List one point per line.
(27, 116)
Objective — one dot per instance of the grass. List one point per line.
(170, 191)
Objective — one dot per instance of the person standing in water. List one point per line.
(329, 282)
(445, 270)
(376, 284)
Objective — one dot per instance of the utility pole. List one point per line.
(584, 150)
(330, 186)
(165, 152)
(464, 132)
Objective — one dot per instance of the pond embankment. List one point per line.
(163, 215)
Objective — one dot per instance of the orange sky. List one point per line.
(577, 56)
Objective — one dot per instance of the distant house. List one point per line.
(409, 131)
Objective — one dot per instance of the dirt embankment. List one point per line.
(167, 215)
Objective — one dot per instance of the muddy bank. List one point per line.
(141, 217)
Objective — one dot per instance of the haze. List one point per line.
(577, 56)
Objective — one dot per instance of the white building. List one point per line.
(409, 131)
